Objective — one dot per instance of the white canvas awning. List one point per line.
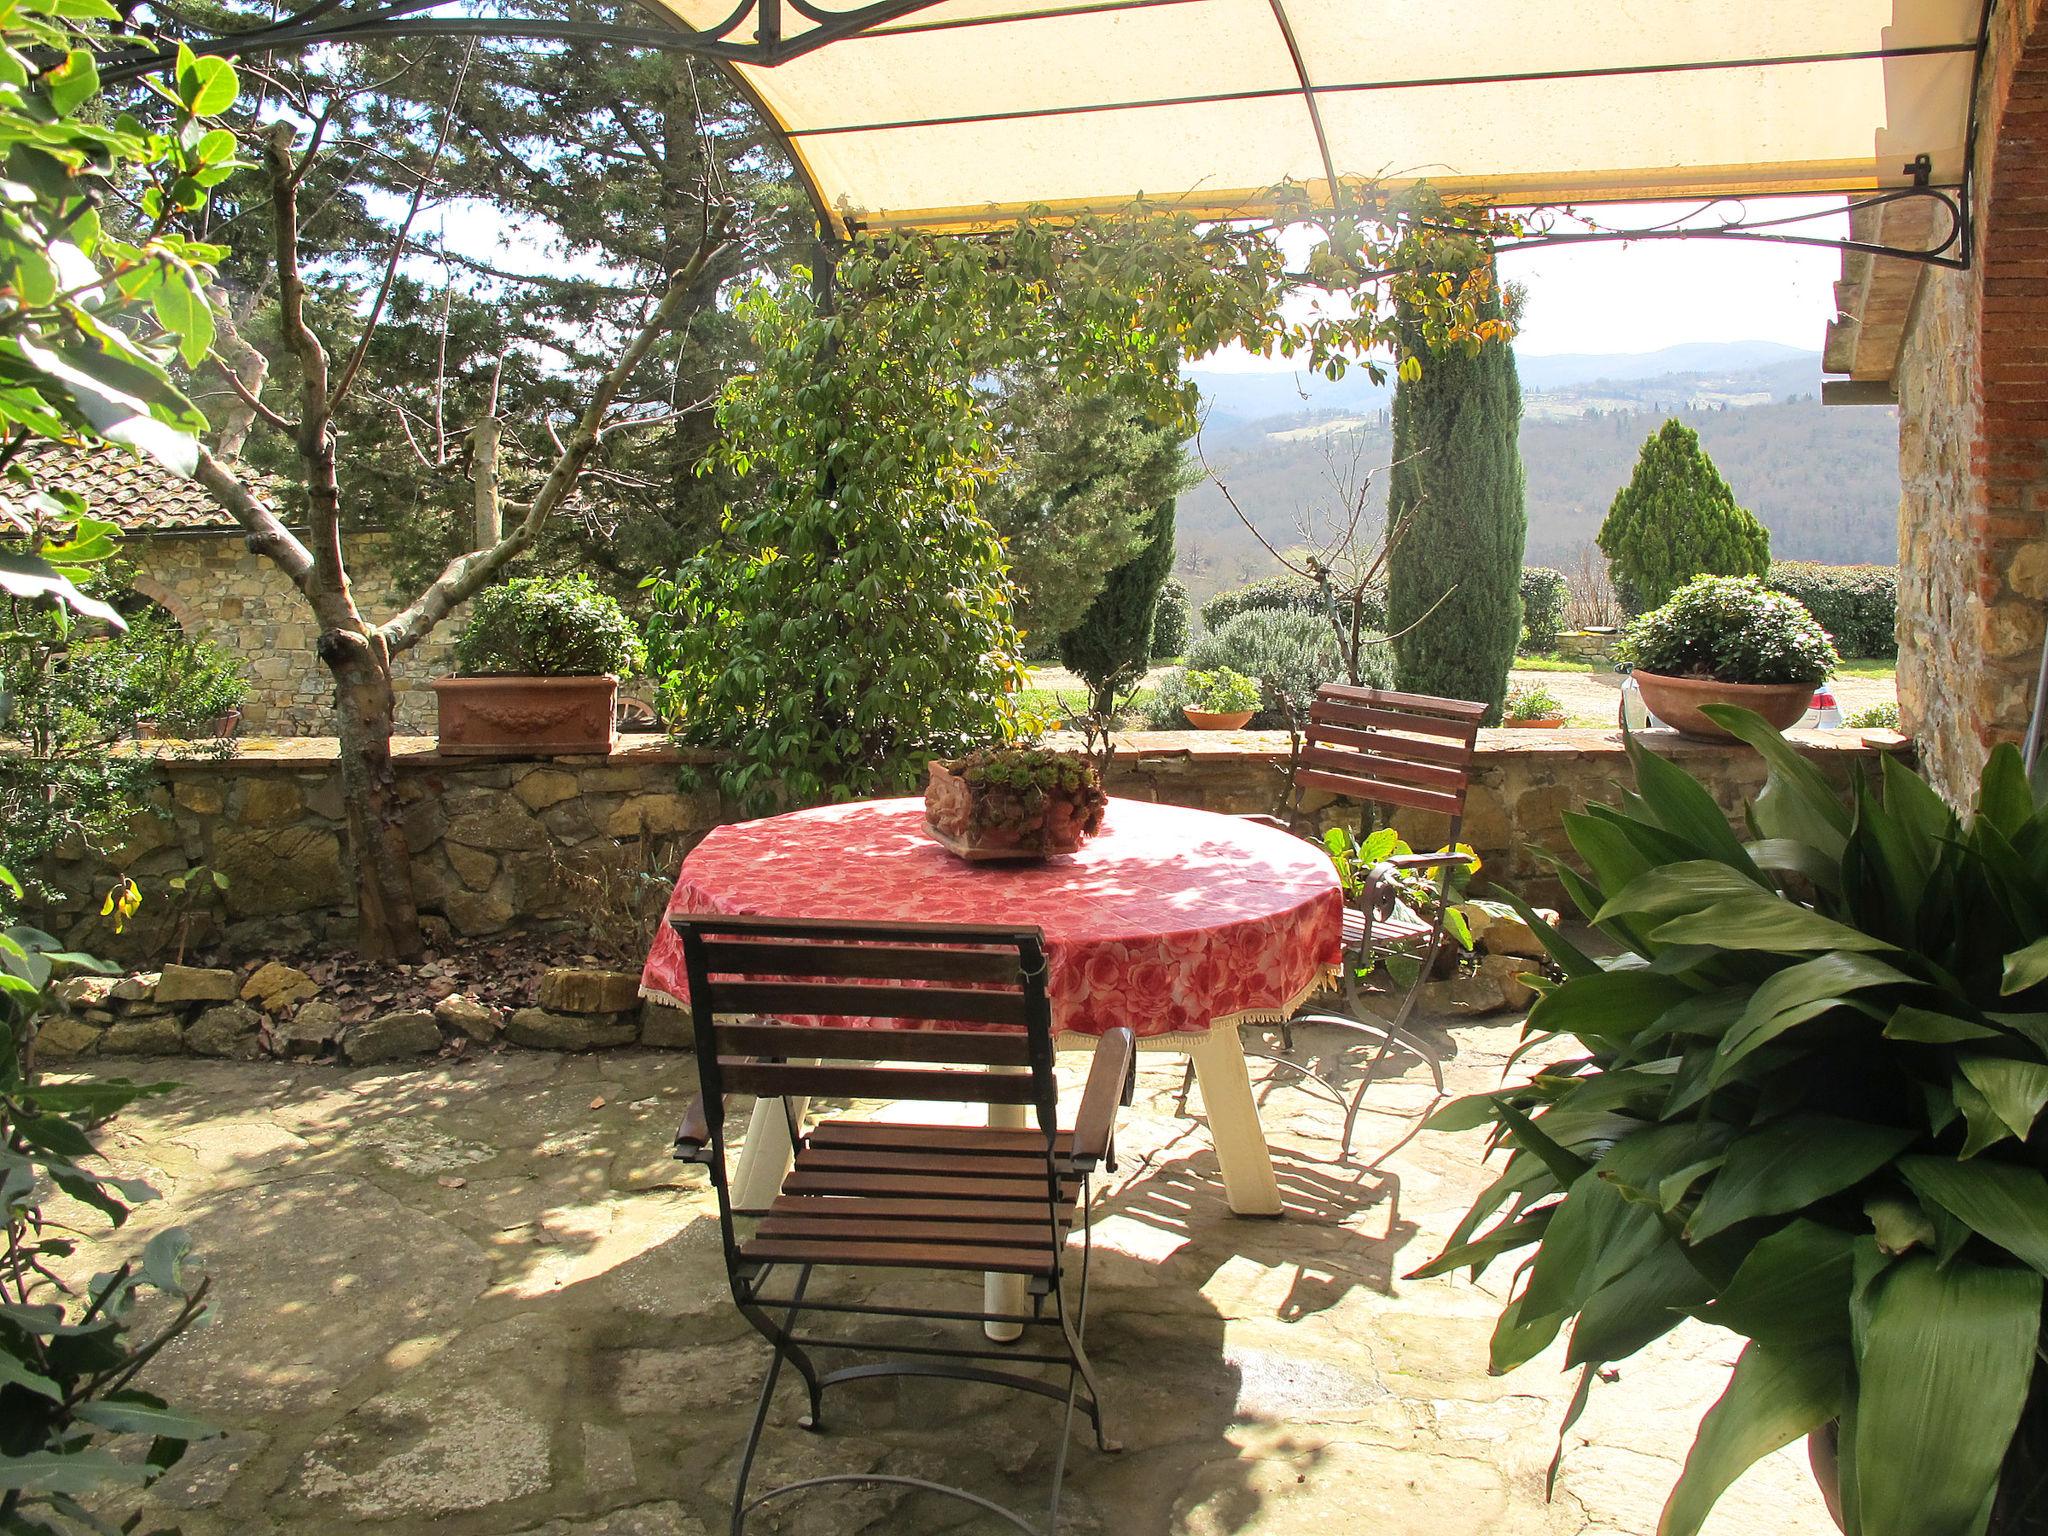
(963, 113)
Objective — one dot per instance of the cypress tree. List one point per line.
(1115, 634)
(1455, 507)
(1677, 519)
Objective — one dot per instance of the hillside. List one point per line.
(1824, 480)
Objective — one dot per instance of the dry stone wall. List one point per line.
(589, 843)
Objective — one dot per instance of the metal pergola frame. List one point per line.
(730, 41)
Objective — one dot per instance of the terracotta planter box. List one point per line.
(980, 823)
(1202, 720)
(527, 716)
(1677, 700)
(1535, 725)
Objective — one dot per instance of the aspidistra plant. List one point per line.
(1801, 1104)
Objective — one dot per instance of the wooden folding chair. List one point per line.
(953, 1014)
(1386, 751)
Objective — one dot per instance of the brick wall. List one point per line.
(1973, 438)
(217, 590)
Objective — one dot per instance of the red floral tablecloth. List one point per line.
(1169, 921)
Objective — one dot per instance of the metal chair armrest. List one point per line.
(1095, 1125)
(1428, 860)
(693, 1138)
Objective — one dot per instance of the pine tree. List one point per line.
(1677, 519)
(1113, 642)
(1456, 514)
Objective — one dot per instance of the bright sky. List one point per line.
(1647, 295)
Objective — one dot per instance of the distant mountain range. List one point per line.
(1824, 480)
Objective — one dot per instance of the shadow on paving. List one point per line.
(477, 1297)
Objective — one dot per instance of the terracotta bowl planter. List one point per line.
(527, 716)
(1535, 725)
(224, 726)
(1677, 700)
(1202, 720)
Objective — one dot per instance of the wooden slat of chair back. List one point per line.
(739, 972)
(1402, 749)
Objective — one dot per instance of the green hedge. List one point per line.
(1857, 604)
(1274, 594)
(1544, 595)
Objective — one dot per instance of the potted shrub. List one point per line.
(1014, 802)
(1221, 700)
(1802, 1103)
(1727, 640)
(1532, 707)
(539, 662)
(168, 683)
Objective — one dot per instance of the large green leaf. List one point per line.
(1674, 889)
(1796, 802)
(1774, 1396)
(2014, 1089)
(1792, 1289)
(1643, 1303)
(1999, 1201)
(134, 1414)
(1801, 992)
(1920, 1024)
(1768, 923)
(1610, 1005)
(1682, 806)
(2025, 968)
(1788, 1165)
(1946, 1355)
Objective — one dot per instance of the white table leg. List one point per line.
(765, 1159)
(1234, 1127)
(1005, 1293)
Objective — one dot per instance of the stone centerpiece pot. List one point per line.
(540, 661)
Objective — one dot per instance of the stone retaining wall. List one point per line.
(593, 842)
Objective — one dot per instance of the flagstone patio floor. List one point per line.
(477, 1297)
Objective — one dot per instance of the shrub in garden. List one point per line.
(1734, 630)
(1878, 717)
(1454, 600)
(1677, 519)
(1545, 594)
(1289, 653)
(546, 626)
(1222, 692)
(1857, 604)
(1170, 619)
(1113, 642)
(1271, 593)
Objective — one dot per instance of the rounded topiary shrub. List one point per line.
(1270, 595)
(546, 626)
(1856, 604)
(1289, 653)
(1544, 595)
(1170, 620)
(1731, 629)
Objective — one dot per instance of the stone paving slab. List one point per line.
(476, 1298)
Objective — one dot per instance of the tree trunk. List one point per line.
(387, 917)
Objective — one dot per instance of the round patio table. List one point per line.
(1179, 924)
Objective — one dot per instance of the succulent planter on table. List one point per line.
(539, 664)
(1727, 640)
(1010, 803)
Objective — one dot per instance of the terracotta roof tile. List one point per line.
(134, 492)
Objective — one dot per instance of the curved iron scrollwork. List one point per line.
(766, 43)
(1947, 243)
